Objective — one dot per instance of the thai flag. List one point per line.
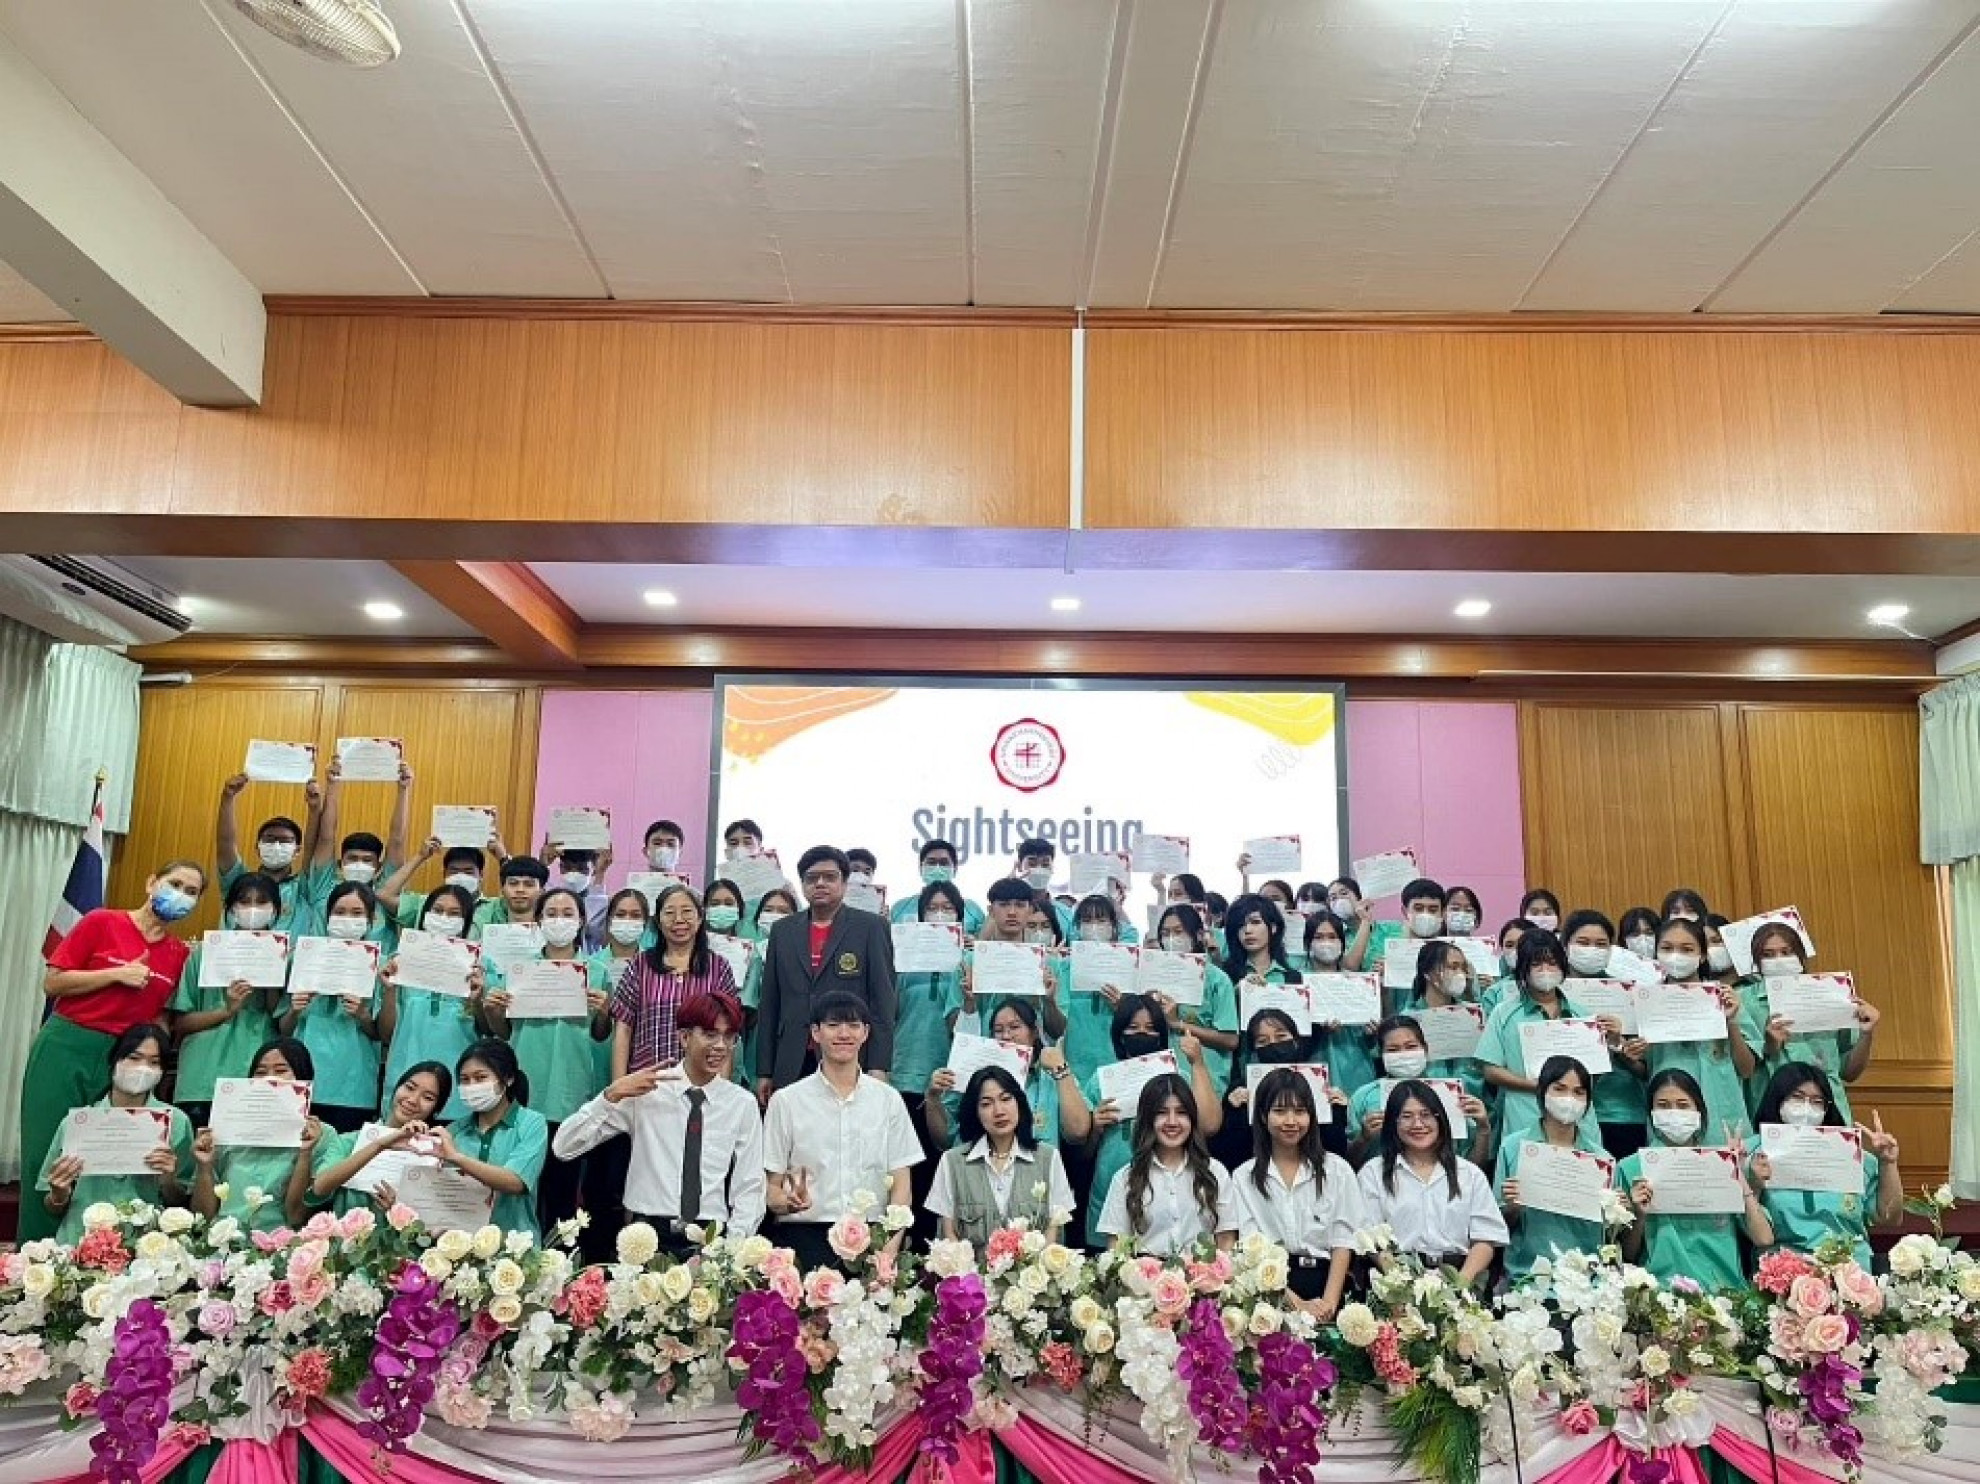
(84, 891)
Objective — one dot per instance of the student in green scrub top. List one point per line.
(1443, 978)
(627, 929)
(524, 880)
(1406, 1055)
(280, 845)
(1539, 969)
(502, 1142)
(1140, 1029)
(1721, 1068)
(1348, 1050)
(218, 1029)
(1566, 1122)
(412, 1111)
(1462, 912)
(1683, 901)
(137, 1062)
(341, 1034)
(420, 1025)
(1702, 1248)
(557, 1055)
(1492, 995)
(1798, 1095)
(1181, 929)
(1843, 1056)
(1255, 942)
(938, 864)
(1718, 956)
(1058, 1110)
(1636, 930)
(771, 908)
(1186, 889)
(1341, 900)
(281, 1175)
(662, 844)
(1541, 908)
(1020, 914)
(359, 856)
(1586, 939)
(464, 867)
(926, 1011)
(723, 914)
(1089, 1038)
(1422, 919)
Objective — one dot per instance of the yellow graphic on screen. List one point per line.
(1299, 718)
(756, 718)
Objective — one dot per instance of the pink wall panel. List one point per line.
(1439, 776)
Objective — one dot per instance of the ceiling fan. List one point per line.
(354, 32)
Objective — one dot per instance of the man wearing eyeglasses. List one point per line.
(829, 948)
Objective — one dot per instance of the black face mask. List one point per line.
(1278, 1053)
(1143, 1043)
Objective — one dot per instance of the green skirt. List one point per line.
(68, 1067)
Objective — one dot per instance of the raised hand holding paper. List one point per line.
(115, 1141)
(1274, 855)
(1168, 854)
(1096, 966)
(1097, 872)
(1814, 1003)
(927, 947)
(1386, 873)
(754, 875)
(435, 964)
(470, 825)
(1738, 936)
(369, 759)
(1583, 1040)
(335, 967)
(280, 762)
(1002, 969)
(547, 989)
(1344, 999)
(649, 884)
(259, 1112)
(970, 1054)
(580, 828)
(261, 958)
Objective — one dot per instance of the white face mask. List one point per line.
(466, 881)
(1405, 1063)
(481, 1096)
(135, 1078)
(626, 929)
(362, 872)
(1678, 965)
(1566, 1108)
(1454, 982)
(1641, 944)
(1460, 921)
(1802, 1114)
(349, 929)
(943, 918)
(1426, 924)
(665, 857)
(1096, 932)
(577, 881)
(744, 852)
(1342, 907)
(1037, 878)
(251, 918)
(1587, 960)
(1038, 937)
(1175, 943)
(1325, 952)
(560, 932)
(1719, 957)
(767, 920)
(275, 854)
(1676, 1125)
(444, 925)
(860, 878)
(1544, 920)
(1776, 968)
(1544, 980)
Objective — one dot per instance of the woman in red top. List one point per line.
(113, 971)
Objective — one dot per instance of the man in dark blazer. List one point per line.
(808, 954)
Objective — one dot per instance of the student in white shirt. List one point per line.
(835, 1133)
(1172, 1194)
(1439, 1206)
(999, 1173)
(1293, 1191)
(658, 1107)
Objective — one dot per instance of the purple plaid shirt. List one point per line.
(651, 1003)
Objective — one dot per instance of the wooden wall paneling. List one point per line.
(190, 740)
(1622, 803)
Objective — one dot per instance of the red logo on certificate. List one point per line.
(1028, 755)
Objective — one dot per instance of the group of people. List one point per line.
(791, 1082)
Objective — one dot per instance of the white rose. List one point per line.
(752, 1251)
(506, 1276)
(505, 1310)
(862, 1202)
(1943, 1196)
(701, 1305)
(1358, 1326)
(1265, 1320)
(898, 1218)
(38, 1280)
(1609, 1328)
(518, 1243)
(154, 1245)
(436, 1266)
(1655, 1360)
(1969, 1283)
(1017, 1301)
(676, 1283)
(487, 1242)
(1099, 1339)
(1272, 1274)
(226, 1230)
(1253, 1246)
(1085, 1313)
(454, 1246)
(175, 1219)
(96, 1301)
(1034, 1280)
(639, 1244)
(98, 1215)
(950, 1259)
(1056, 1260)
(1908, 1257)
(649, 1291)
(1682, 1402)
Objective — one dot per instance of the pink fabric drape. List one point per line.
(171, 1453)
(257, 1463)
(1057, 1460)
(1756, 1462)
(1611, 1461)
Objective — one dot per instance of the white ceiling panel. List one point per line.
(166, 86)
(1776, 96)
(295, 596)
(21, 303)
(429, 147)
(1908, 199)
(1037, 95)
(1377, 156)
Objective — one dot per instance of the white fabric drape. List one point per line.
(1949, 772)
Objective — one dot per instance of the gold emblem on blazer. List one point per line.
(848, 964)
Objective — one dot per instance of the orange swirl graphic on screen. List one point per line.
(756, 718)
(1301, 720)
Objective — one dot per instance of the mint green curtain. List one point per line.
(65, 711)
(1949, 835)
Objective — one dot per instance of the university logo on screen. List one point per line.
(1027, 755)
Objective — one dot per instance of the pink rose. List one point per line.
(823, 1287)
(400, 1216)
(273, 1241)
(780, 1259)
(277, 1298)
(884, 1268)
(312, 1291)
(786, 1284)
(356, 1223)
(1859, 1290)
(1580, 1419)
(322, 1224)
(850, 1236)
(12, 1265)
(1808, 1296)
(218, 1320)
(1170, 1291)
(1789, 1335)
(308, 1259)
(1825, 1334)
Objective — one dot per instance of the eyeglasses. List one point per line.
(720, 1038)
(822, 878)
(1416, 1120)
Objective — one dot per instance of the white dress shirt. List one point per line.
(731, 1150)
(1175, 1222)
(1422, 1214)
(1307, 1218)
(845, 1144)
(1058, 1194)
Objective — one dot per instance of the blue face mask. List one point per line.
(169, 904)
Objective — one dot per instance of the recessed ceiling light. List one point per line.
(659, 597)
(1065, 605)
(384, 612)
(1889, 613)
(190, 605)
(1472, 608)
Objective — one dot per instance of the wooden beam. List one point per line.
(506, 602)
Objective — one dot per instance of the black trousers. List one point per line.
(557, 1188)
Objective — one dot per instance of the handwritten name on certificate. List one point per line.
(1451, 1032)
(1581, 1039)
(116, 1141)
(435, 964)
(1275, 855)
(927, 947)
(547, 989)
(1344, 999)
(369, 759)
(1167, 854)
(1386, 873)
(1002, 969)
(470, 825)
(1809, 1003)
(280, 762)
(261, 958)
(1694, 1182)
(1120, 1082)
(578, 828)
(969, 1055)
(1100, 966)
(1820, 1158)
(446, 1200)
(259, 1112)
(1679, 1012)
(1180, 976)
(1565, 1182)
(337, 967)
(1288, 999)
(1316, 1078)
